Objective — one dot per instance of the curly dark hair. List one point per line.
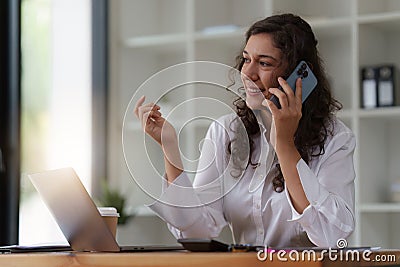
(296, 40)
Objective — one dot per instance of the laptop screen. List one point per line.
(74, 211)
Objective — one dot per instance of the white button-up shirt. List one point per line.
(256, 213)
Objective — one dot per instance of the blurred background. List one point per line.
(80, 62)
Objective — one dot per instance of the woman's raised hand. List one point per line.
(153, 123)
(163, 133)
(286, 120)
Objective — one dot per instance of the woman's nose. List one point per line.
(250, 71)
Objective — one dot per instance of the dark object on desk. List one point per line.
(203, 245)
(210, 245)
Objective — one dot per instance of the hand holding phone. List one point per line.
(308, 81)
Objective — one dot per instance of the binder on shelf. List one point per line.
(369, 87)
(386, 86)
(378, 86)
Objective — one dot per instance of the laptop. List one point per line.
(77, 215)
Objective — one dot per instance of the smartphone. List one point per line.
(211, 245)
(203, 245)
(308, 79)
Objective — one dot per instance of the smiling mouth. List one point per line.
(255, 90)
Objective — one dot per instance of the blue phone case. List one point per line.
(309, 81)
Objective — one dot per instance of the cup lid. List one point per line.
(108, 211)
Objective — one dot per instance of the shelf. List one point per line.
(382, 113)
(328, 22)
(221, 35)
(152, 41)
(379, 207)
(385, 18)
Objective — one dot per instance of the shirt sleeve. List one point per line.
(330, 190)
(195, 210)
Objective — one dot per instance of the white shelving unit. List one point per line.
(147, 36)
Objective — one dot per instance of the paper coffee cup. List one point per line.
(110, 217)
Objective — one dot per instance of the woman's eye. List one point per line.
(265, 64)
(246, 60)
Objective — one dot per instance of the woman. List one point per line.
(307, 197)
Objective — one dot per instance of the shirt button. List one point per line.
(258, 206)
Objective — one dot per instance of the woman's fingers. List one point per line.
(270, 105)
(286, 87)
(299, 90)
(153, 123)
(149, 111)
(287, 97)
(155, 114)
(146, 113)
(281, 95)
(138, 104)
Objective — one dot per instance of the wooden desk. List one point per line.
(163, 259)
